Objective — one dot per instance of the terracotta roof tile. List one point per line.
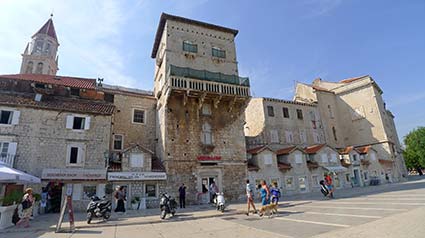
(57, 103)
(257, 150)
(346, 150)
(49, 29)
(66, 81)
(284, 166)
(285, 151)
(363, 149)
(349, 80)
(313, 149)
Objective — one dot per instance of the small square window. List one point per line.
(217, 52)
(75, 92)
(300, 114)
(270, 111)
(285, 112)
(78, 123)
(190, 47)
(138, 116)
(150, 190)
(6, 117)
(118, 142)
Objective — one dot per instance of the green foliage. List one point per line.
(135, 200)
(414, 154)
(37, 196)
(14, 196)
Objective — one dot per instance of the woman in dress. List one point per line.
(27, 206)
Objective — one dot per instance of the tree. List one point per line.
(414, 154)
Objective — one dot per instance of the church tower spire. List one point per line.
(40, 55)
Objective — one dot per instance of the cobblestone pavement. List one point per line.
(393, 210)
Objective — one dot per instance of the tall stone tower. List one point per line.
(201, 103)
(40, 55)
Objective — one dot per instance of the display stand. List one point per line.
(67, 205)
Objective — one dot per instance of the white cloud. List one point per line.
(316, 8)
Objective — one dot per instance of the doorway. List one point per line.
(206, 188)
(54, 198)
(356, 181)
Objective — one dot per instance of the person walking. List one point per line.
(329, 186)
(275, 195)
(265, 196)
(213, 191)
(120, 198)
(182, 196)
(250, 197)
(27, 206)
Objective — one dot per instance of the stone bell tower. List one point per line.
(40, 55)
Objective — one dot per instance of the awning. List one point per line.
(11, 175)
(336, 169)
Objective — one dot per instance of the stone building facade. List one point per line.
(132, 161)
(354, 114)
(201, 100)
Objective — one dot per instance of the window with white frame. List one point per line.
(354, 157)
(139, 116)
(76, 122)
(289, 182)
(118, 142)
(334, 158)
(150, 190)
(9, 117)
(136, 160)
(7, 148)
(324, 158)
(218, 52)
(347, 178)
(289, 137)
(298, 158)
(75, 154)
(206, 134)
(303, 136)
(268, 159)
(274, 136)
(206, 109)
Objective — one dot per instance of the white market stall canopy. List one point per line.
(11, 175)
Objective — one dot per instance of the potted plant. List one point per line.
(8, 207)
(135, 202)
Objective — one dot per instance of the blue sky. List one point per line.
(279, 42)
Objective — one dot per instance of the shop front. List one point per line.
(142, 188)
(85, 184)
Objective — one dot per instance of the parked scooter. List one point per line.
(168, 205)
(98, 208)
(219, 202)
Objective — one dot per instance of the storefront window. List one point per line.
(289, 182)
(150, 190)
(302, 183)
(88, 192)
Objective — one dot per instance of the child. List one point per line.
(275, 195)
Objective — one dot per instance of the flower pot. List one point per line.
(134, 206)
(6, 214)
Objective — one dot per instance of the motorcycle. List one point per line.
(98, 208)
(219, 202)
(167, 205)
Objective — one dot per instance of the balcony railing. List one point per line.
(8, 159)
(208, 76)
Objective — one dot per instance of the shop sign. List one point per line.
(208, 158)
(123, 176)
(73, 174)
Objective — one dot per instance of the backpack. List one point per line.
(26, 204)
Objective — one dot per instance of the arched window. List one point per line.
(206, 134)
(29, 68)
(39, 69)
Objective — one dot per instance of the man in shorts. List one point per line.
(250, 197)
